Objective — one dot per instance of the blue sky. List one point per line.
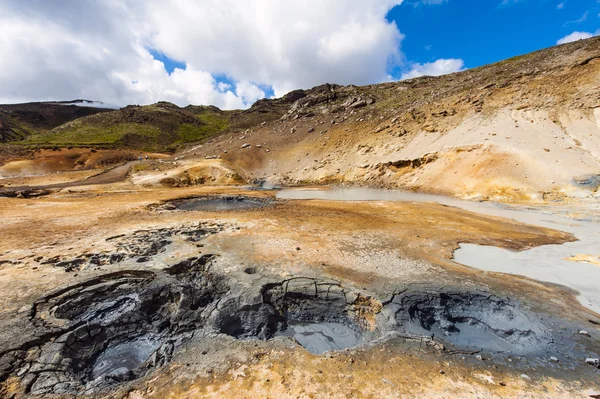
(170, 64)
(230, 53)
(478, 32)
(485, 31)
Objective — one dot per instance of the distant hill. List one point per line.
(523, 129)
(19, 121)
(157, 127)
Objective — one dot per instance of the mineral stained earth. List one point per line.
(187, 275)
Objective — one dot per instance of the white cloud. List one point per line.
(583, 18)
(560, 6)
(222, 86)
(436, 68)
(249, 92)
(284, 44)
(573, 37)
(509, 2)
(99, 50)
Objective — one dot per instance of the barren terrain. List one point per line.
(189, 276)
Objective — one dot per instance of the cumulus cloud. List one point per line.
(287, 45)
(439, 67)
(249, 92)
(573, 37)
(102, 50)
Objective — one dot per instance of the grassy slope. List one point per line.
(212, 123)
(157, 127)
(18, 121)
(14, 129)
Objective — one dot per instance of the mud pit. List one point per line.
(317, 314)
(222, 203)
(115, 328)
(472, 321)
(120, 326)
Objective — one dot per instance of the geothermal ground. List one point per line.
(126, 273)
(121, 291)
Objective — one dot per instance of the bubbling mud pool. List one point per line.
(318, 338)
(544, 263)
(211, 204)
(315, 313)
(120, 360)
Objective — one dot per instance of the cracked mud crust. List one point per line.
(115, 299)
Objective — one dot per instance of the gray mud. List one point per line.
(322, 337)
(472, 321)
(546, 263)
(113, 328)
(106, 332)
(118, 361)
(223, 203)
(294, 302)
(591, 182)
(141, 246)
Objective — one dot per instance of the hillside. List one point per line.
(524, 129)
(157, 127)
(18, 121)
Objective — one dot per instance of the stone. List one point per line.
(554, 359)
(593, 361)
(385, 380)
(246, 145)
(381, 128)
(584, 332)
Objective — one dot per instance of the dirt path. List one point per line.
(113, 175)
